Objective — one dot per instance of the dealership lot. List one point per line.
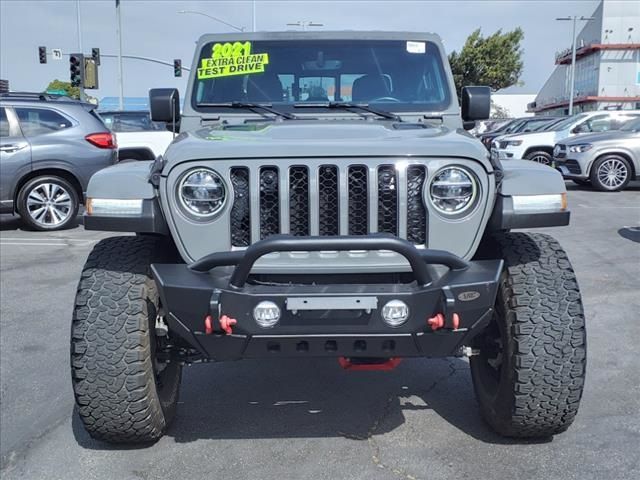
(272, 419)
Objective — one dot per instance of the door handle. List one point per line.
(12, 147)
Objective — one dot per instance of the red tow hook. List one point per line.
(437, 322)
(208, 325)
(225, 324)
(390, 364)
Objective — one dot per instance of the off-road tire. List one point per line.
(120, 395)
(539, 322)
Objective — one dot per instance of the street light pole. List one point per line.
(253, 15)
(119, 35)
(572, 86)
(78, 19)
(573, 67)
(240, 29)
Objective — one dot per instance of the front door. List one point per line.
(15, 157)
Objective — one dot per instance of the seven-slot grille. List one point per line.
(327, 200)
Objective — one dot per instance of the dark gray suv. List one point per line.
(49, 148)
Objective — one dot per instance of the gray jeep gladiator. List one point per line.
(323, 199)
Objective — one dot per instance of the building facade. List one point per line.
(607, 64)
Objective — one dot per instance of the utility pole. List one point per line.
(82, 96)
(119, 35)
(572, 80)
(253, 15)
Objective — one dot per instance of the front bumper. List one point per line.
(509, 153)
(570, 168)
(333, 324)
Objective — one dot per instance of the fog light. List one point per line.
(395, 313)
(266, 314)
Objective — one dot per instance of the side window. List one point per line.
(38, 121)
(4, 123)
(620, 120)
(597, 123)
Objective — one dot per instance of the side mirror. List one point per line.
(164, 104)
(476, 103)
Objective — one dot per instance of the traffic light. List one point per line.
(95, 54)
(177, 67)
(42, 53)
(76, 69)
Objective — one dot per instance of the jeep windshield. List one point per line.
(393, 75)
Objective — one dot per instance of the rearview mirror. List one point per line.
(476, 103)
(164, 104)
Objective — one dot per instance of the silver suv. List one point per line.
(608, 161)
(49, 149)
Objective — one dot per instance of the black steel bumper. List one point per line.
(327, 319)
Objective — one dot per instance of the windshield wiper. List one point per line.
(266, 107)
(348, 105)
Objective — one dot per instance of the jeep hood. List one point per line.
(313, 138)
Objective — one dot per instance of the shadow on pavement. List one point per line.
(310, 398)
(630, 233)
(13, 222)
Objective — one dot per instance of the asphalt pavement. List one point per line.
(279, 419)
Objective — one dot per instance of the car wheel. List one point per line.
(48, 203)
(529, 373)
(540, 157)
(610, 173)
(124, 392)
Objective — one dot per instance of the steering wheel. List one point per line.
(385, 99)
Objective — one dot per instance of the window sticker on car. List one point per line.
(416, 47)
(232, 59)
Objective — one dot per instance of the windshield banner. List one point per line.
(232, 59)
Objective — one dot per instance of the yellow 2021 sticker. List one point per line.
(232, 59)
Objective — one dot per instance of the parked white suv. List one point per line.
(538, 146)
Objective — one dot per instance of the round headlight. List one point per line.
(202, 192)
(452, 190)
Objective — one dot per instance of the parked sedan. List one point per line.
(609, 160)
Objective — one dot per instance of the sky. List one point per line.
(154, 28)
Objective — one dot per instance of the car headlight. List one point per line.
(512, 143)
(453, 190)
(202, 193)
(583, 147)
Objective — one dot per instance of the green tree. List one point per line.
(494, 61)
(498, 111)
(73, 92)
